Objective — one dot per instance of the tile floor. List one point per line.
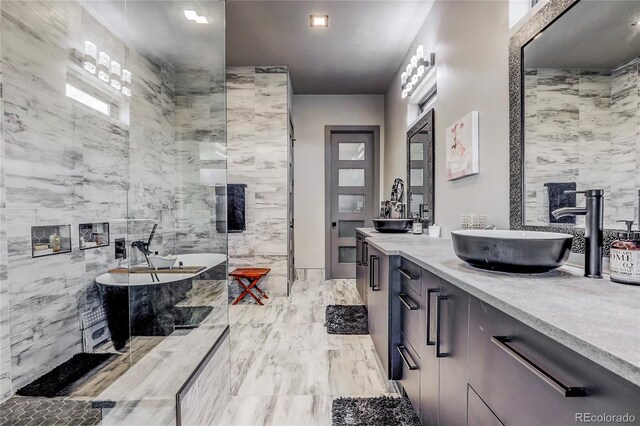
(286, 369)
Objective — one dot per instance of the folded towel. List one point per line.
(558, 199)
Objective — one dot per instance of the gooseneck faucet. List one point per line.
(593, 230)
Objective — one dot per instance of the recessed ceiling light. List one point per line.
(319, 20)
(192, 15)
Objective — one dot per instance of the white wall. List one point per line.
(311, 113)
(470, 40)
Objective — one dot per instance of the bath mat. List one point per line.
(55, 381)
(346, 319)
(377, 411)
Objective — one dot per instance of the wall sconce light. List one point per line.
(415, 71)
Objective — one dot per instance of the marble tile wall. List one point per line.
(64, 163)
(201, 158)
(5, 339)
(257, 114)
(596, 115)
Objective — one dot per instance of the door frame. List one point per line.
(328, 131)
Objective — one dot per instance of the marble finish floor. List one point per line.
(286, 369)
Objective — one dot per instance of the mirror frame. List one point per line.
(538, 22)
(426, 121)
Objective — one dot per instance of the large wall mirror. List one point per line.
(420, 167)
(575, 112)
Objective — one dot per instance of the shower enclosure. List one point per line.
(113, 144)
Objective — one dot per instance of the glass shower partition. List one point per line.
(113, 162)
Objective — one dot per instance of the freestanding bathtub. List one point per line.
(153, 304)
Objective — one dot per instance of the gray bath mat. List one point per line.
(378, 411)
(346, 319)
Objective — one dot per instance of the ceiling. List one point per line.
(159, 28)
(358, 54)
(591, 35)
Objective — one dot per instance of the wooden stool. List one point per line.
(253, 275)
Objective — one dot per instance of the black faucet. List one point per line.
(144, 247)
(593, 230)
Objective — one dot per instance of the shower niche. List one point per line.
(50, 239)
(93, 235)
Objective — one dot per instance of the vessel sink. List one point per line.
(512, 251)
(393, 225)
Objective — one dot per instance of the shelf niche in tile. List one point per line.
(93, 235)
(50, 239)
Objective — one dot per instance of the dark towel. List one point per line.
(558, 199)
(236, 208)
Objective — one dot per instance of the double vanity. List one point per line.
(472, 346)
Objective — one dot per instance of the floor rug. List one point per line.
(346, 319)
(377, 411)
(55, 381)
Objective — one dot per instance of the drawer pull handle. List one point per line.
(567, 391)
(429, 292)
(439, 299)
(408, 274)
(374, 266)
(365, 253)
(405, 358)
(408, 303)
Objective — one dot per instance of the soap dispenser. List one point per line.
(625, 256)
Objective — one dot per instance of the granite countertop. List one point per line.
(598, 319)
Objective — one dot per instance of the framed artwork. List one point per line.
(462, 147)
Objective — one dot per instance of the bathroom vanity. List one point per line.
(469, 346)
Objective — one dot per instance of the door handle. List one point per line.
(405, 358)
(439, 300)
(567, 391)
(334, 224)
(429, 292)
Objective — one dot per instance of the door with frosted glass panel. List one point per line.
(351, 196)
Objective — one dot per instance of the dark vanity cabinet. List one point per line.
(527, 378)
(461, 361)
(407, 300)
(430, 377)
(451, 350)
(380, 267)
(362, 266)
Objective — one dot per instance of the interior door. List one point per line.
(351, 197)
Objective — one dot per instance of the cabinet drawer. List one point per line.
(411, 313)
(410, 274)
(410, 379)
(527, 378)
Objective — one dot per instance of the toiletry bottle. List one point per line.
(56, 243)
(417, 225)
(625, 256)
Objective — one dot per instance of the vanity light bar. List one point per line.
(416, 70)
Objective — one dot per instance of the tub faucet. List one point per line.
(593, 231)
(144, 247)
